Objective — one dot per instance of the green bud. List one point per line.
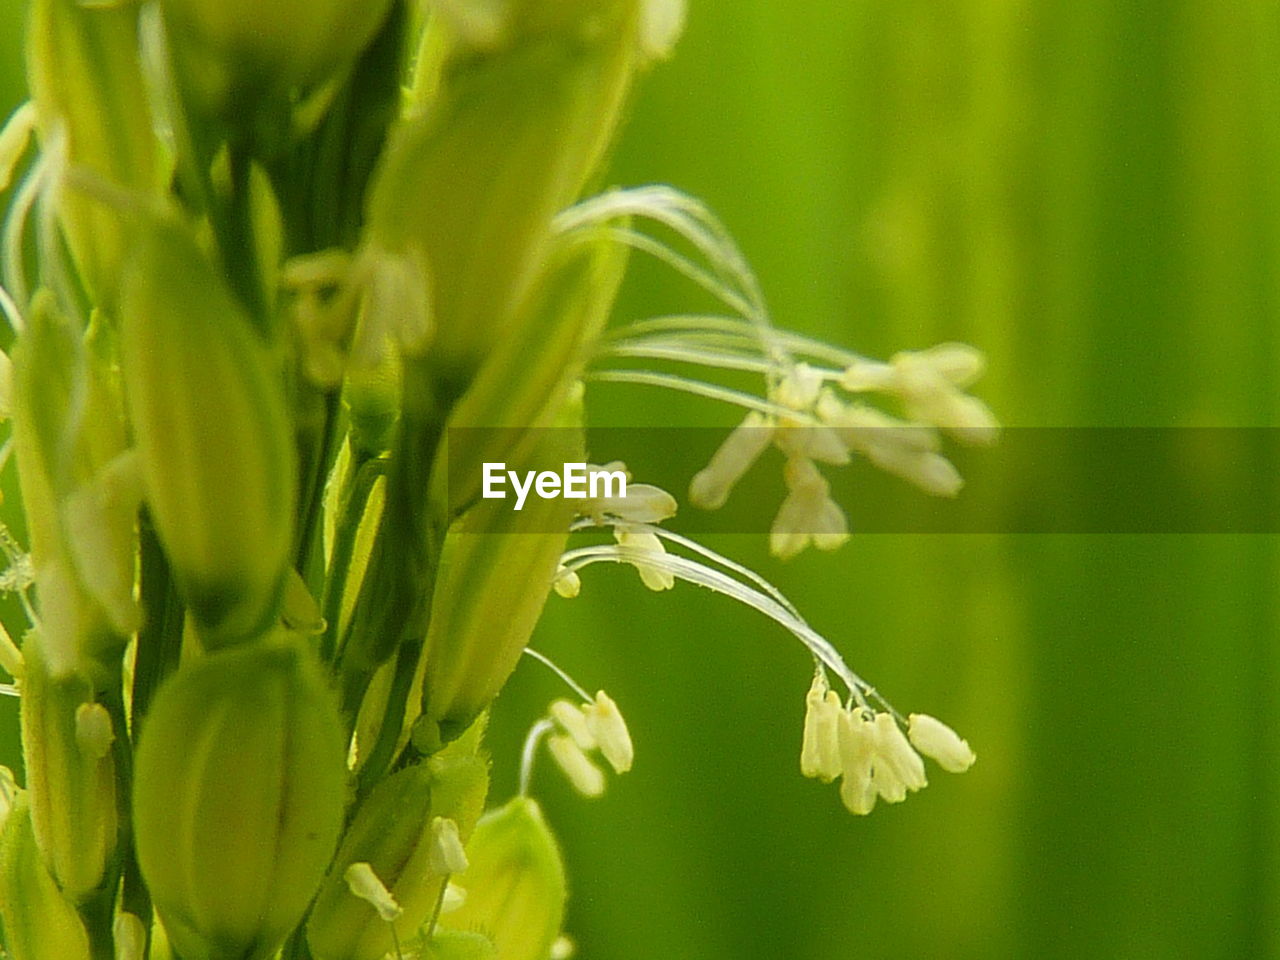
(86, 79)
(397, 832)
(233, 51)
(66, 740)
(240, 783)
(372, 397)
(494, 575)
(39, 923)
(507, 141)
(76, 491)
(210, 420)
(515, 884)
(522, 387)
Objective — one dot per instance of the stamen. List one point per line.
(559, 671)
(365, 884)
(529, 752)
(709, 391)
(701, 575)
(609, 730)
(586, 777)
(446, 855)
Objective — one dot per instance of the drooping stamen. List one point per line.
(712, 579)
(559, 672)
(529, 752)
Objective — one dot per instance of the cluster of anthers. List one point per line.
(814, 410)
(815, 413)
(876, 751)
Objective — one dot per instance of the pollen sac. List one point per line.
(574, 722)
(86, 79)
(400, 832)
(238, 799)
(515, 884)
(230, 52)
(820, 753)
(711, 486)
(640, 542)
(215, 449)
(808, 514)
(365, 884)
(857, 745)
(939, 742)
(609, 730)
(586, 777)
(39, 922)
(898, 768)
(71, 775)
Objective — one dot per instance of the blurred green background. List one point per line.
(1089, 191)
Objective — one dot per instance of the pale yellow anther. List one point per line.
(447, 854)
(929, 383)
(711, 486)
(573, 721)
(903, 449)
(887, 784)
(644, 503)
(799, 389)
(397, 306)
(661, 24)
(940, 743)
(454, 897)
(364, 883)
(867, 375)
(820, 751)
(644, 541)
(959, 364)
(931, 472)
(858, 790)
(609, 730)
(863, 428)
(130, 936)
(896, 756)
(804, 440)
(808, 514)
(586, 777)
(94, 732)
(567, 583)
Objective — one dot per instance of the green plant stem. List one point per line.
(353, 503)
(135, 898)
(380, 758)
(395, 596)
(316, 454)
(160, 639)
